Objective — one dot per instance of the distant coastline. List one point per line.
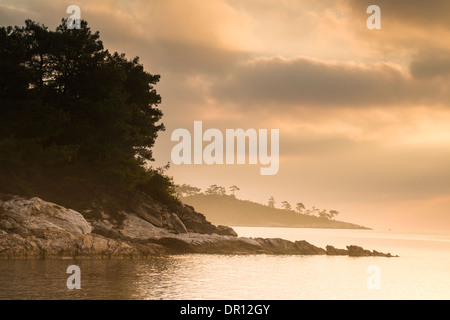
(357, 227)
(230, 211)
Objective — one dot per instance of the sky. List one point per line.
(363, 114)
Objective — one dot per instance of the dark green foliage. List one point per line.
(64, 98)
(160, 186)
(66, 101)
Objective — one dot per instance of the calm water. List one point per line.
(422, 272)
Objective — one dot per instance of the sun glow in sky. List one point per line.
(364, 115)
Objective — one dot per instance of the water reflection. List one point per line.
(421, 272)
(100, 279)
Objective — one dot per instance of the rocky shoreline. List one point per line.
(36, 229)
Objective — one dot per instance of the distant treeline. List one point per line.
(223, 209)
(186, 190)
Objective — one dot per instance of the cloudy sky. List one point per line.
(364, 115)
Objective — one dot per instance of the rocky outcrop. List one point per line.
(332, 251)
(136, 228)
(196, 222)
(308, 249)
(22, 215)
(56, 244)
(355, 251)
(225, 231)
(184, 220)
(215, 244)
(35, 229)
(159, 216)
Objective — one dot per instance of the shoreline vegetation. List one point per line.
(75, 158)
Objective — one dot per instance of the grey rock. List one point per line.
(105, 228)
(355, 251)
(158, 215)
(34, 214)
(195, 222)
(225, 231)
(184, 220)
(332, 251)
(143, 206)
(136, 228)
(57, 244)
(177, 224)
(305, 248)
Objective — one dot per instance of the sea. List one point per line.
(421, 272)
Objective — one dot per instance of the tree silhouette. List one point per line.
(271, 202)
(323, 214)
(315, 211)
(286, 205)
(67, 102)
(64, 98)
(233, 189)
(300, 207)
(186, 190)
(221, 191)
(215, 190)
(333, 213)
